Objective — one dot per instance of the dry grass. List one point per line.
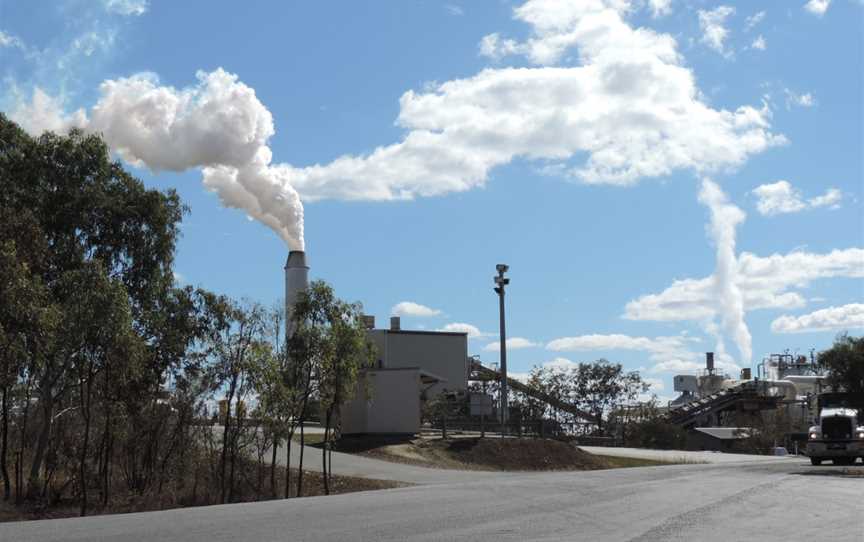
(123, 501)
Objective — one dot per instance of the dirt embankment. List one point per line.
(494, 454)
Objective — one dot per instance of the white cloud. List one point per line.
(178, 278)
(656, 384)
(45, 113)
(561, 364)
(831, 199)
(460, 327)
(782, 198)
(793, 99)
(759, 43)
(753, 20)
(778, 198)
(631, 107)
(714, 33)
(662, 350)
(127, 7)
(454, 10)
(817, 7)
(513, 343)
(840, 318)
(8, 40)
(659, 8)
(765, 282)
(409, 308)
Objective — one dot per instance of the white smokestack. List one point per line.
(296, 281)
(725, 217)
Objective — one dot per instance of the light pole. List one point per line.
(501, 282)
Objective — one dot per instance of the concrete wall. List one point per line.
(386, 401)
(439, 353)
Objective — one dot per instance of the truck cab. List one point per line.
(839, 435)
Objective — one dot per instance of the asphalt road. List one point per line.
(761, 501)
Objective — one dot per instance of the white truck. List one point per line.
(840, 433)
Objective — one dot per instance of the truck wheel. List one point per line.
(815, 461)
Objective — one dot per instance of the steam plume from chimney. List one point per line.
(725, 217)
(218, 125)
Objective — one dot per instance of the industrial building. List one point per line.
(410, 367)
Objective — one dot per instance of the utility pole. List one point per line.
(501, 282)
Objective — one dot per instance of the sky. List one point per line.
(663, 177)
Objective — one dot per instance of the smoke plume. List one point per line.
(725, 217)
(218, 125)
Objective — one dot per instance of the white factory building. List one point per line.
(411, 366)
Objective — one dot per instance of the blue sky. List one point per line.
(664, 177)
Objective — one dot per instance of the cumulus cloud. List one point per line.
(513, 343)
(778, 198)
(631, 108)
(218, 125)
(782, 198)
(793, 99)
(409, 308)
(817, 7)
(655, 384)
(753, 20)
(661, 349)
(660, 8)
(759, 43)
(127, 7)
(45, 113)
(765, 282)
(840, 318)
(8, 40)
(460, 327)
(714, 33)
(831, 199)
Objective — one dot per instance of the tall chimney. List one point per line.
(709, 362)
(296, 280)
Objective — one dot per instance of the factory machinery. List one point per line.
(783, 381)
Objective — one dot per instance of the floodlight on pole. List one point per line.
(501, 282)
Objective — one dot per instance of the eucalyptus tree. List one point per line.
(325, 354)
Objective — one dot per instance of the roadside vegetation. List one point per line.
(111, 371)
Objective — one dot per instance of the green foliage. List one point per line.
(648, 428)
(845, 363)
(598, 388)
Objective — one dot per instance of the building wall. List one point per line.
(386, 401)
(439, 353)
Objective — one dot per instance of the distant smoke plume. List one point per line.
(218, 125)
(725, 217)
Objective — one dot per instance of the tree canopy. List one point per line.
(845, 363)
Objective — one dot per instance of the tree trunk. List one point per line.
(300, 467)
(324, 452)
(226, 433)
(82, 470)
(4, 443)
(288, 463)
(273, 465)
(33, 486)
